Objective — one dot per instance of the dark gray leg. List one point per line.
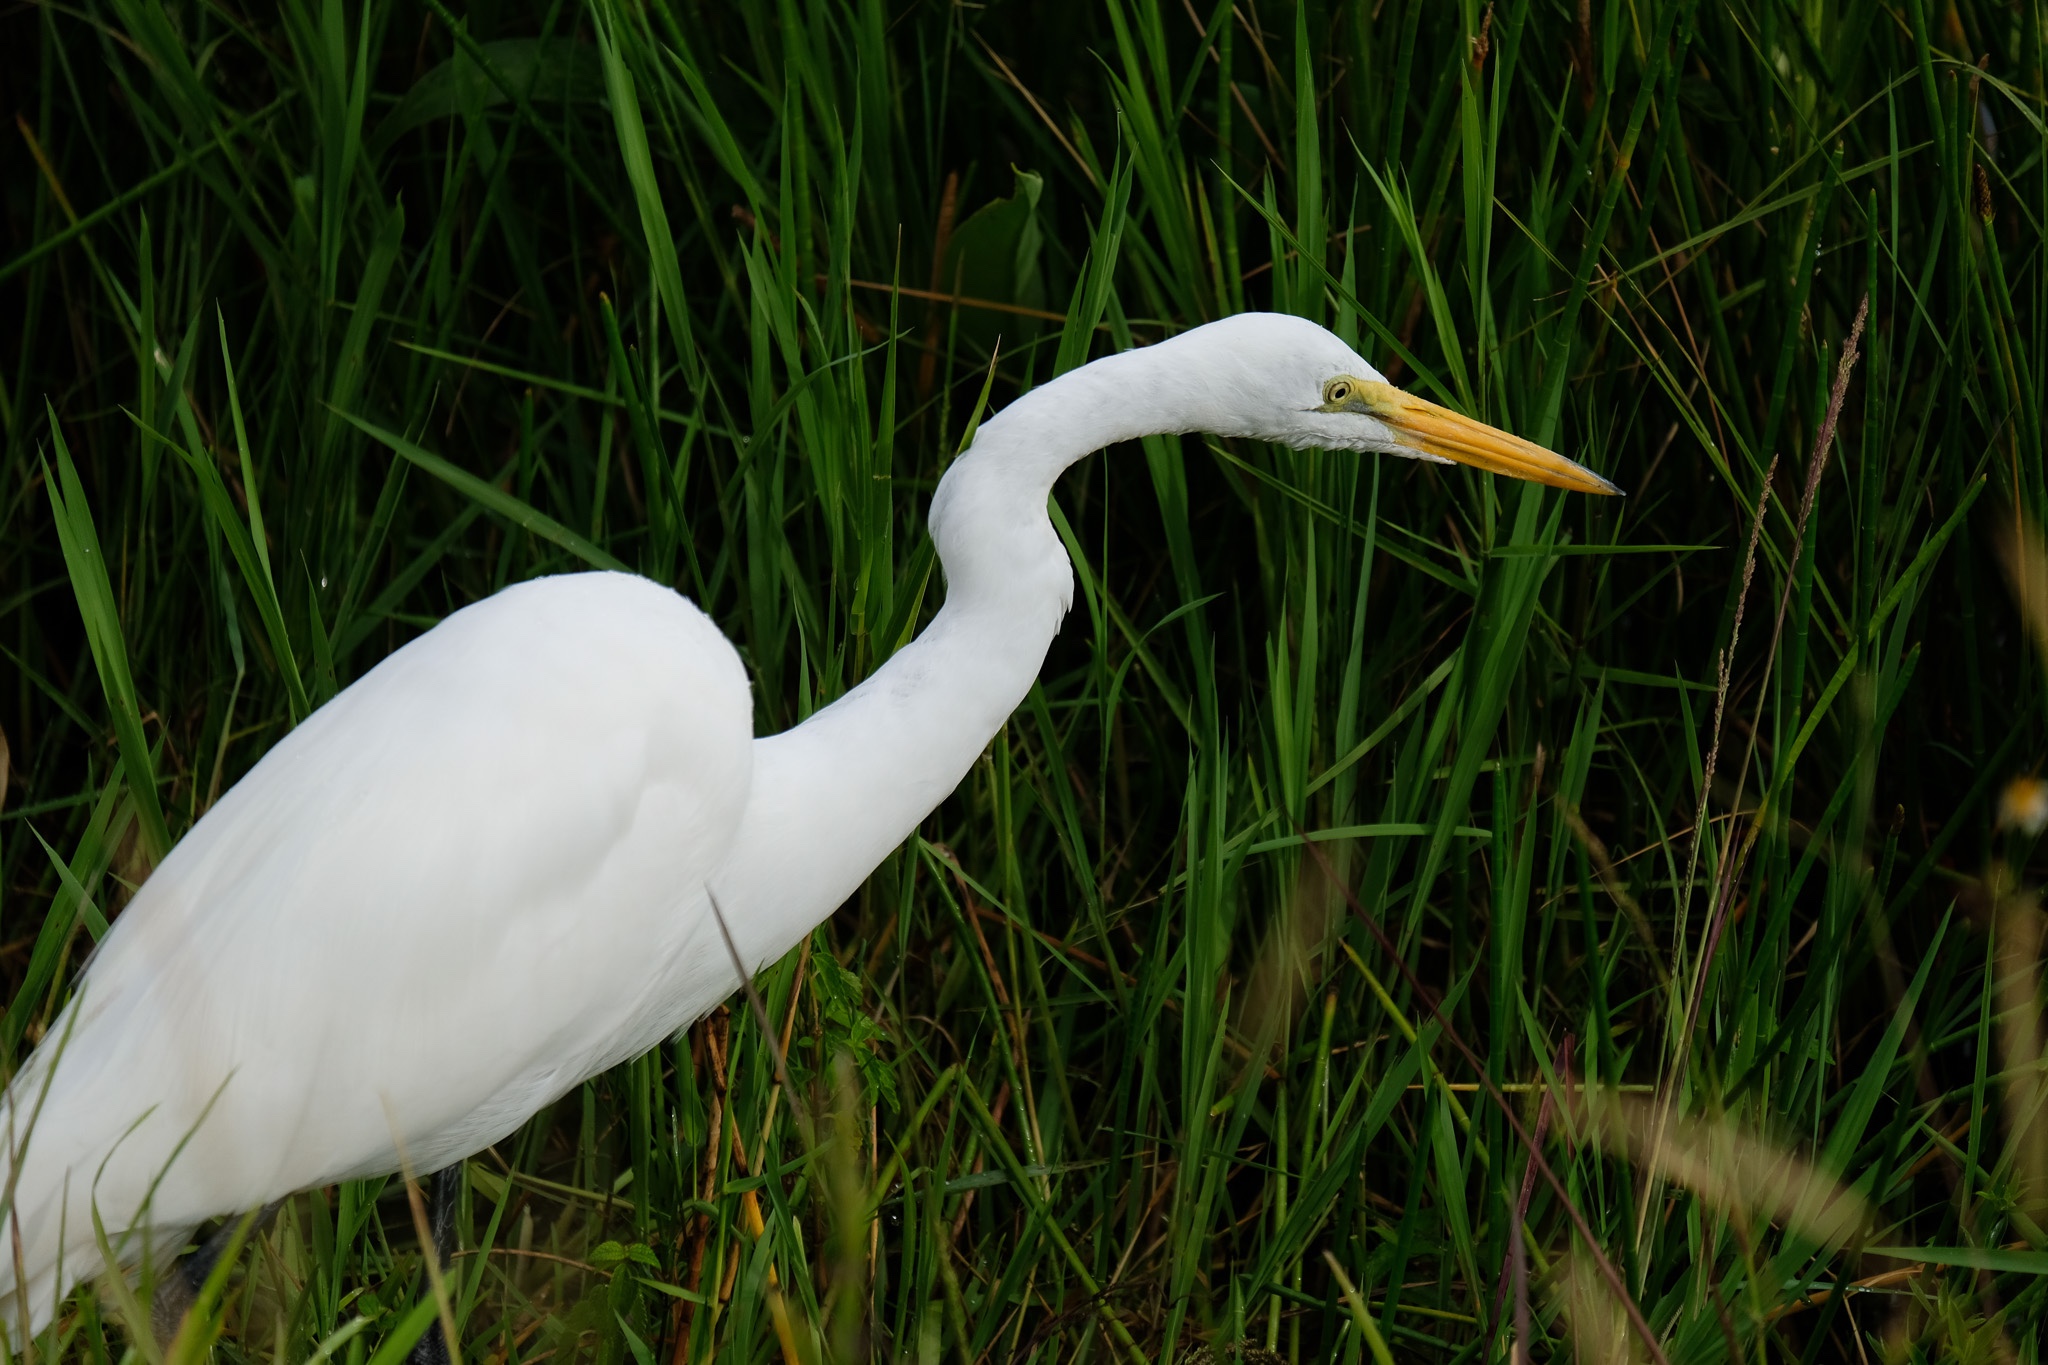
(185, 1277)
(443, 1196)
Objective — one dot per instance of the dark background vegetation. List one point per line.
(322, 321)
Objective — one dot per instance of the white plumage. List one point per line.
(479, 875)
(443, 844)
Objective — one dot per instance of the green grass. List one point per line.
(322, 322)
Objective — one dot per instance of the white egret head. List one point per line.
(1274, 377)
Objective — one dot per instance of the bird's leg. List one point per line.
(185, 1277)
(442, 1199)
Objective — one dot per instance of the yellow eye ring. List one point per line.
(1336, 391)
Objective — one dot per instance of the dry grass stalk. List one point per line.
(1610, 1276)
(1735, 852)
(1736, 1171)
(2019, 930)
(1595, 1318)
(1281, 973)
(2017, 909)
(1736, 856)
(2024, 553)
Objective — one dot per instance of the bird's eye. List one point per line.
(1336, 391)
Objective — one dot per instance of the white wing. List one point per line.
(469, 882)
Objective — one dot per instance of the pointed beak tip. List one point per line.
(1440, 433)
(1569, 475)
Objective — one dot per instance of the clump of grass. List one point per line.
(326, 321)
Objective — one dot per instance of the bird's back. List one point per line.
(467, 883)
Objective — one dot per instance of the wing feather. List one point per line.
(459, 888)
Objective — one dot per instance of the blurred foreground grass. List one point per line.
(317, 323)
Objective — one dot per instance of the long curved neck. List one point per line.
(831, 797)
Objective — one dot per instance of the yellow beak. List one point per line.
(1438, 431)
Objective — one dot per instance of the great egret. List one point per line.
(481, 874)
